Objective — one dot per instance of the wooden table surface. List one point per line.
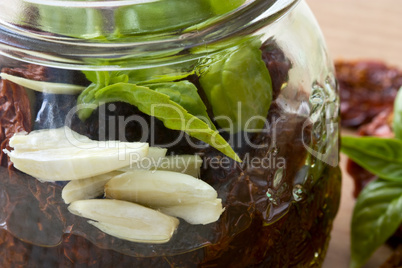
(358, 29)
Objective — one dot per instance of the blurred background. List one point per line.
(361, 28)
(358, 29)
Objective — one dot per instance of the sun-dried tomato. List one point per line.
(395, 260)
(366, 89)
(15, 115)
(278, 65)
(380, 126)
(15, 107)
(30, 71)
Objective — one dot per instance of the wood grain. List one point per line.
(357, 29)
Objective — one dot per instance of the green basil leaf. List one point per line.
(397, 121)
(160, 16)
(105, 78)
(87, 96)
(85, 23)
(185, 93)
(155, 75)
(238, 87)
(380, 156)
(141, 18)
(376, 216)
(138, 77)
(169, 15)
(224, 6)
(156, 104)
(93, 75)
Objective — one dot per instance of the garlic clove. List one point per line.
(204, 212)
(86, 188)
(126, 220)
(159, 188)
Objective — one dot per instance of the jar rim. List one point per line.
(86, 4)
(33, 46)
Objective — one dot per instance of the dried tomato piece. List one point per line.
(360, 176)
(366, 89)
(380, 126)
(15, 115)
(395, 260)
(278, 65)
(15, 108)
(33, 72)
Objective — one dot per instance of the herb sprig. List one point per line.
(172, 102)
(378, 210)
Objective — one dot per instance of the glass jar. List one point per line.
(240, 94)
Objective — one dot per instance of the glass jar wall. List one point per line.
(166, 134)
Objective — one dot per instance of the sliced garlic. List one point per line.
(197, 213)
(86, 188)
(159, 188)
(187, 164)
(65, 161)
(126, 220)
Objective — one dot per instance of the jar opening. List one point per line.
(76, 34)
(87, 4)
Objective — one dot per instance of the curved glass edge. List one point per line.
(139, 51)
